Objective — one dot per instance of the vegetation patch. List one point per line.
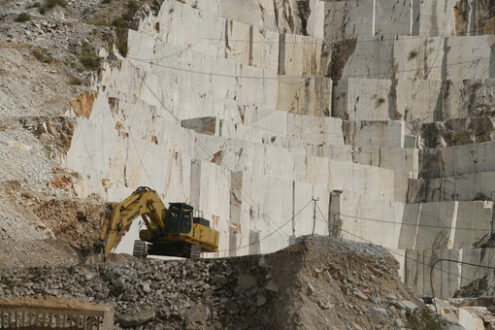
(423, 320)
(380, 101)
(23, 17)
(121, 26)
(75, 81)
(413, 54)
(119, 22)
(42, 55)
(89, 59)
(48, 5)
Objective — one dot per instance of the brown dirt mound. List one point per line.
(76, 221)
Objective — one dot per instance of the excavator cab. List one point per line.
(178, 218)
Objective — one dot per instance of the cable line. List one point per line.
(414, 224)
(457, 262)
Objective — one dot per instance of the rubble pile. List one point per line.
(317, 283)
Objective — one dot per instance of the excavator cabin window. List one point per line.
(177, 221)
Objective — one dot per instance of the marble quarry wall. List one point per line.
(369, 120)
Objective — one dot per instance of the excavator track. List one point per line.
(195, 252)
(140, 249)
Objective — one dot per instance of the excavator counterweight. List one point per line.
(169, 232)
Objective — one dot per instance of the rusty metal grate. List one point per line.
(37, 316)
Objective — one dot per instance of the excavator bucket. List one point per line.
(96, 255)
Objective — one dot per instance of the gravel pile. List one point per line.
(317, 283)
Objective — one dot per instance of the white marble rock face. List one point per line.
(226, 105)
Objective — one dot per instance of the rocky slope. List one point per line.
(317, 283)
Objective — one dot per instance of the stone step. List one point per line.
(365, 19)
(402, 160)
(180, 24)
(467, 187)
(269, 125)
(392, 134)
(267, 15)
(457, 160)
(430, 58)
(412, 99)
(186, 84)
(239, 155)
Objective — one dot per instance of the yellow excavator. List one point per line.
(169, 232)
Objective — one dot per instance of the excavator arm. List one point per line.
(143, 202)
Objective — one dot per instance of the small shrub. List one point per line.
(75, 81)
(35, 5)
(23, 17)
(90, 61)
(122, 47)
(413, 54)
(380, 101)
(43, 10)
(423, 320)
(133, 5)
(42, 56)
(38, 54)
(53, 3)
(106, 1)
(132, 8)
(120, 23)
(476, 85)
